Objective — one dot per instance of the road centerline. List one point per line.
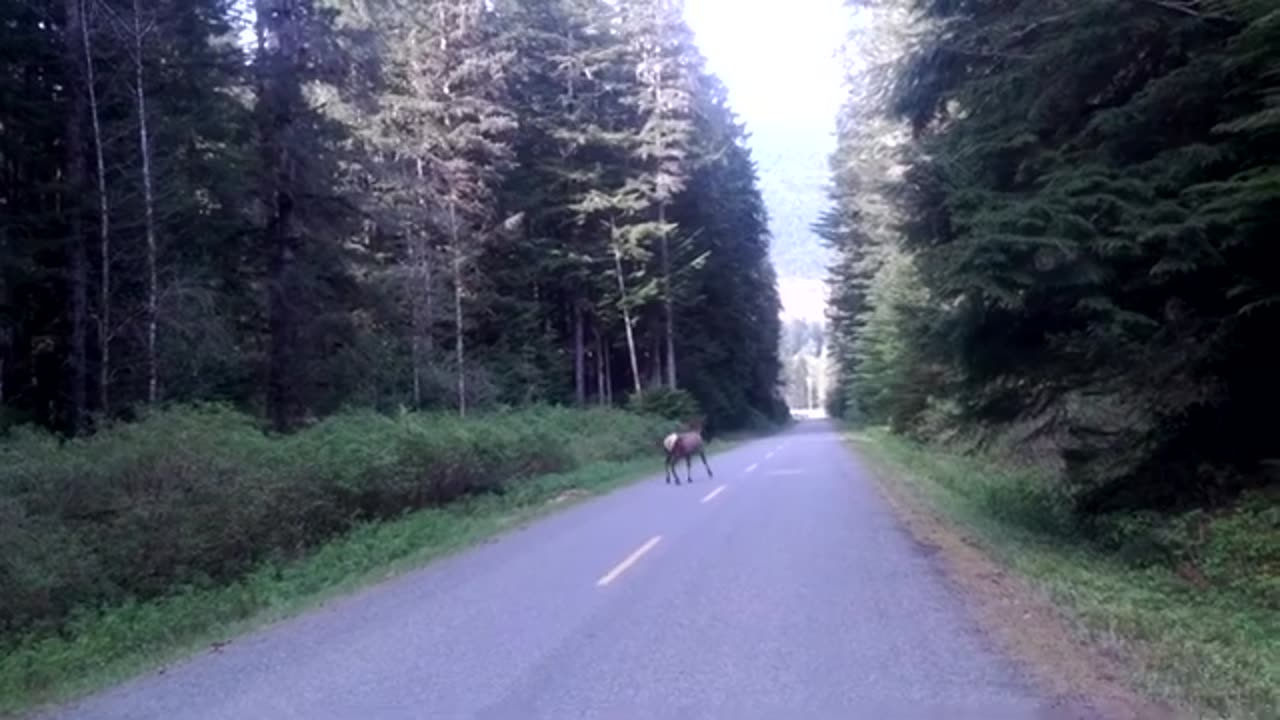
(752, 467)
(629, 561)
(712, 495)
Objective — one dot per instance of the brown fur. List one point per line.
(683, 446)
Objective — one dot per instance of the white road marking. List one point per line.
(631, 560)
(712, 495)
(752, 467)
(770, 454)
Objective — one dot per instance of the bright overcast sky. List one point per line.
(777, 58)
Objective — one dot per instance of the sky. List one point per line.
(778, 59)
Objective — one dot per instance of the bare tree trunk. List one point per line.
(655, 370)
(420, 294)
(608, 375)
(626, 317)
(281, 323)
(104, 226)
(667, 302)
(600, 392)
(415, 305)
(279, 92)
(148, 199)
(75, 183)
(423, 309)
(579, 356)
(459, 343)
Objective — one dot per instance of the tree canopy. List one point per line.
(329, 203)
(1072, 236)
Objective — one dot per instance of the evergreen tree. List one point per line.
(299, 208)
(1083, 209)
(666, 65)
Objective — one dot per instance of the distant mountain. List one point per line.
(793, 176)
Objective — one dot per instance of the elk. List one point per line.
(684, 445)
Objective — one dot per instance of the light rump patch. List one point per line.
(669, 441)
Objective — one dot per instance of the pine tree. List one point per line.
(666, 65)
(294, 223)
(465, 62)
(1082, 210)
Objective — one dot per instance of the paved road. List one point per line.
(781, 588)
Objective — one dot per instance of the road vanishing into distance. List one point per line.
(781, 588)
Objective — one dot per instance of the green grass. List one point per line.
(97, 648)
(1213, 644)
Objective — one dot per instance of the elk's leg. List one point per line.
(703, 455)
(688, 466)
(668, 466)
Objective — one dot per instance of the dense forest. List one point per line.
(274, 272)
(1055, 221)
(803, 372)
(301, 206)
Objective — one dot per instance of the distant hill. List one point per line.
(793, 176)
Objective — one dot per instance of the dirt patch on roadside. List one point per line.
(1084, 682)
(567, 495)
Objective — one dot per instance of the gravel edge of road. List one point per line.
(1085, 684)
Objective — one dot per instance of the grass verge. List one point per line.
(98, 648)
(1212, 649)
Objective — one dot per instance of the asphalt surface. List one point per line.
(792, 592)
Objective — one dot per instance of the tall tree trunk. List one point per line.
(281, 321)
(459, 343)
(78, 280)
(419, 276)
(626, 317)
(279, 92)
(149, 213)
(579, 356)
(104, 226)
(667, 302)
(655, 367)
(608, 374)
(421, 300)
(601, 399)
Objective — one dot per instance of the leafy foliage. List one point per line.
(349, 194)
(1082, 211)
(198, 496)
(673, 404)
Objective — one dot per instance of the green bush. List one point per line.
(193, 496)
(1236, 549)
(673, 404)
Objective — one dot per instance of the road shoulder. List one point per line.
(1083, 680)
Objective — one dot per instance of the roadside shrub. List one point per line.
(193, 496)
(1236, 549)
(673, 404)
